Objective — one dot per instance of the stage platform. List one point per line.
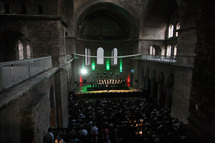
(82, 92)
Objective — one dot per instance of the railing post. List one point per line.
(29, 70)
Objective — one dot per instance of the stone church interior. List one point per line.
(101, 71)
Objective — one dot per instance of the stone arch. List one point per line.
(153, 21)
(110, 12)
(157, 49)
(8, 44)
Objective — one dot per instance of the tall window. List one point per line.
(100, 55)
(162, 51)
(20, 50)
(177, 28)
(168, 51)
(87, 56)
(114, 54)
(175, 51)
(152, 50)
(28, 50)
(171, 30)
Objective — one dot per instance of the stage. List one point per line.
(82, 92)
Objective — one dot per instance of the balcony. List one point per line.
(159, 58)
(179, 60)
(14, 72)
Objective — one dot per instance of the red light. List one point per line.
(128, 79)
(80, 79)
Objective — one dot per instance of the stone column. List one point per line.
(167, 97)
(152, 88)
(159, 93)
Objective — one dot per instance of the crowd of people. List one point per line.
(124, 120)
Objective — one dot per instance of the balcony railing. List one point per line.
(160, 58)
(179, 60)
(15, 72)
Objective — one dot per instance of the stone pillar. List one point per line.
(152, 88)
(160, 85)
(159, 93)
(167, 97)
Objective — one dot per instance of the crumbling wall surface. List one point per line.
(202, 109)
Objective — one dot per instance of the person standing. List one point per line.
(49, 136)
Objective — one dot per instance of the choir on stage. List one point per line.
(108, 83)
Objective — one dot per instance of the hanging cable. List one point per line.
(126, 56)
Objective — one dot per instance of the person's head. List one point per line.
(49, 129)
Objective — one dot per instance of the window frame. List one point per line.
(178, 26)
(114, 55)
(169, 51)
(20, 50)
(100, 56)
(171, 31)
(152, 50)
(87, 56)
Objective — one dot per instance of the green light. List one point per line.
(120, 65)
(93, 66)
(108, 64)
(83, 63)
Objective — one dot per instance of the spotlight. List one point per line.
(83, 71)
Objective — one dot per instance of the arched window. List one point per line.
(168, 51)
(162, 51)
(20, 50)
(152, 50)
(171, 30)
(100, 55)
(114, 54)
(87, 56)
(177, 28)
(40, 9)
(28, 50)
(24, 9)
(175, 51)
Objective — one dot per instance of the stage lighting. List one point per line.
(93, 66)
(83, 71)
(120, 65)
